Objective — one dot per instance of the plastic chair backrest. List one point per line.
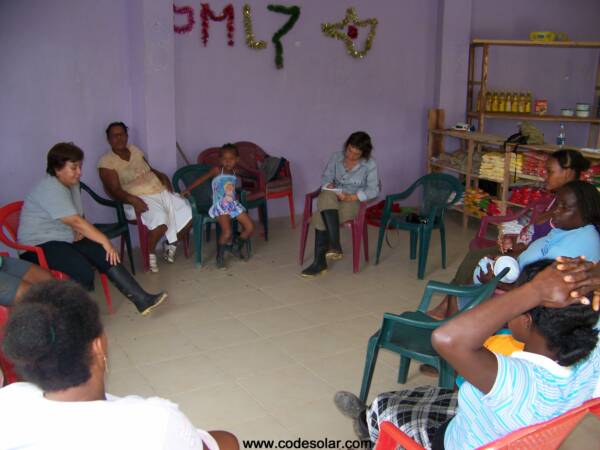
(438, 190)
(202, 193)
(10, 216)
(548, 435)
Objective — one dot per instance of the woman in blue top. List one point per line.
(558, 369)
(350, 178)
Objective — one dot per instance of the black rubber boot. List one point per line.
(221, 256)
(242, 248)
(331, 218)
(129, 287)
(319, 265)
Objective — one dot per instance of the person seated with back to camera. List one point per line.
(56, 341)
(558, 369)
(16, 276)
(127, 177)
(225, 206)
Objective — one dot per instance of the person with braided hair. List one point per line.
(558, 369)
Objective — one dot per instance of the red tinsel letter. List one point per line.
(189, 11)
(227, 13)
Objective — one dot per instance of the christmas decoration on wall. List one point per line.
(348, 29)
(294, 13)
(206, 13)
(251, 41)
(189, 12)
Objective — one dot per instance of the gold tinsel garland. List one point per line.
(251, 41)
(337, 31)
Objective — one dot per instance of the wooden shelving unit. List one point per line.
(477, 112)
(437, 135)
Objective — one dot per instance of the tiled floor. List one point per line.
(258, 350)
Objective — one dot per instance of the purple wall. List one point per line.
(69, 67)
(305, 111)
(562, 76)
(64, 76)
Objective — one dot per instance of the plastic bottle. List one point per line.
(528, 101)
(561, 139)
(515, 103)
(494, 102)
(502, 102)
(521, 103)
(508, 104)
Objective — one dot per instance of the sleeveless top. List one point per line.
(224, 196)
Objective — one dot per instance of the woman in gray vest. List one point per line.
(52, 218)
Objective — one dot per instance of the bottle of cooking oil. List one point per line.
(521, 102)
(514, 106)
(502, 102)
(528, 101)
(488, 101)
(495, 101)
(508, 105)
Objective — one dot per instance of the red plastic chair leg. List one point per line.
(356, 235)
(292, 210)
(366, 240)
(105, 288)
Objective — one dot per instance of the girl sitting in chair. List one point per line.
(225, 207)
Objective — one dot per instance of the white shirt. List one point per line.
(30, 421)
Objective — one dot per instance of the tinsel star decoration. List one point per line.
(341, 31)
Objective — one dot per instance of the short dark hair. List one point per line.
(361, 141)
(588, 201)
(570, 331)
(116, 124)
(569, 158)
(229, 147)
(49, 334)
(60, 154)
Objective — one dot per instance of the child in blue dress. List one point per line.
(225, 206)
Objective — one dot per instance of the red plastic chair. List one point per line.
(9, 224)
(143, 238)
(5, 365)
(548, 435)
(481, 241)
(358, 227)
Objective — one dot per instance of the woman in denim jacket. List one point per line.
(350, 178)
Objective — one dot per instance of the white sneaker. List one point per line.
(152, 263)
(169, 252)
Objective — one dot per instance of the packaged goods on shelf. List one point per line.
(534, 163)
(492, 165)
(527, 195)
(592, 174)
(479, 203)
(458, 160)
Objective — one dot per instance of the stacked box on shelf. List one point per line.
(534, 163)
(492, 165)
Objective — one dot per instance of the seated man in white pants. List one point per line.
(128, 177)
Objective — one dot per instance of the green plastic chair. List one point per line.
(200, 202)
(409, 334)
(120, 228)
(439, 191)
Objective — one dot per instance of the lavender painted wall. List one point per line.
(562, 76)
(306, 110)
(69, 67)
(64, 76)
